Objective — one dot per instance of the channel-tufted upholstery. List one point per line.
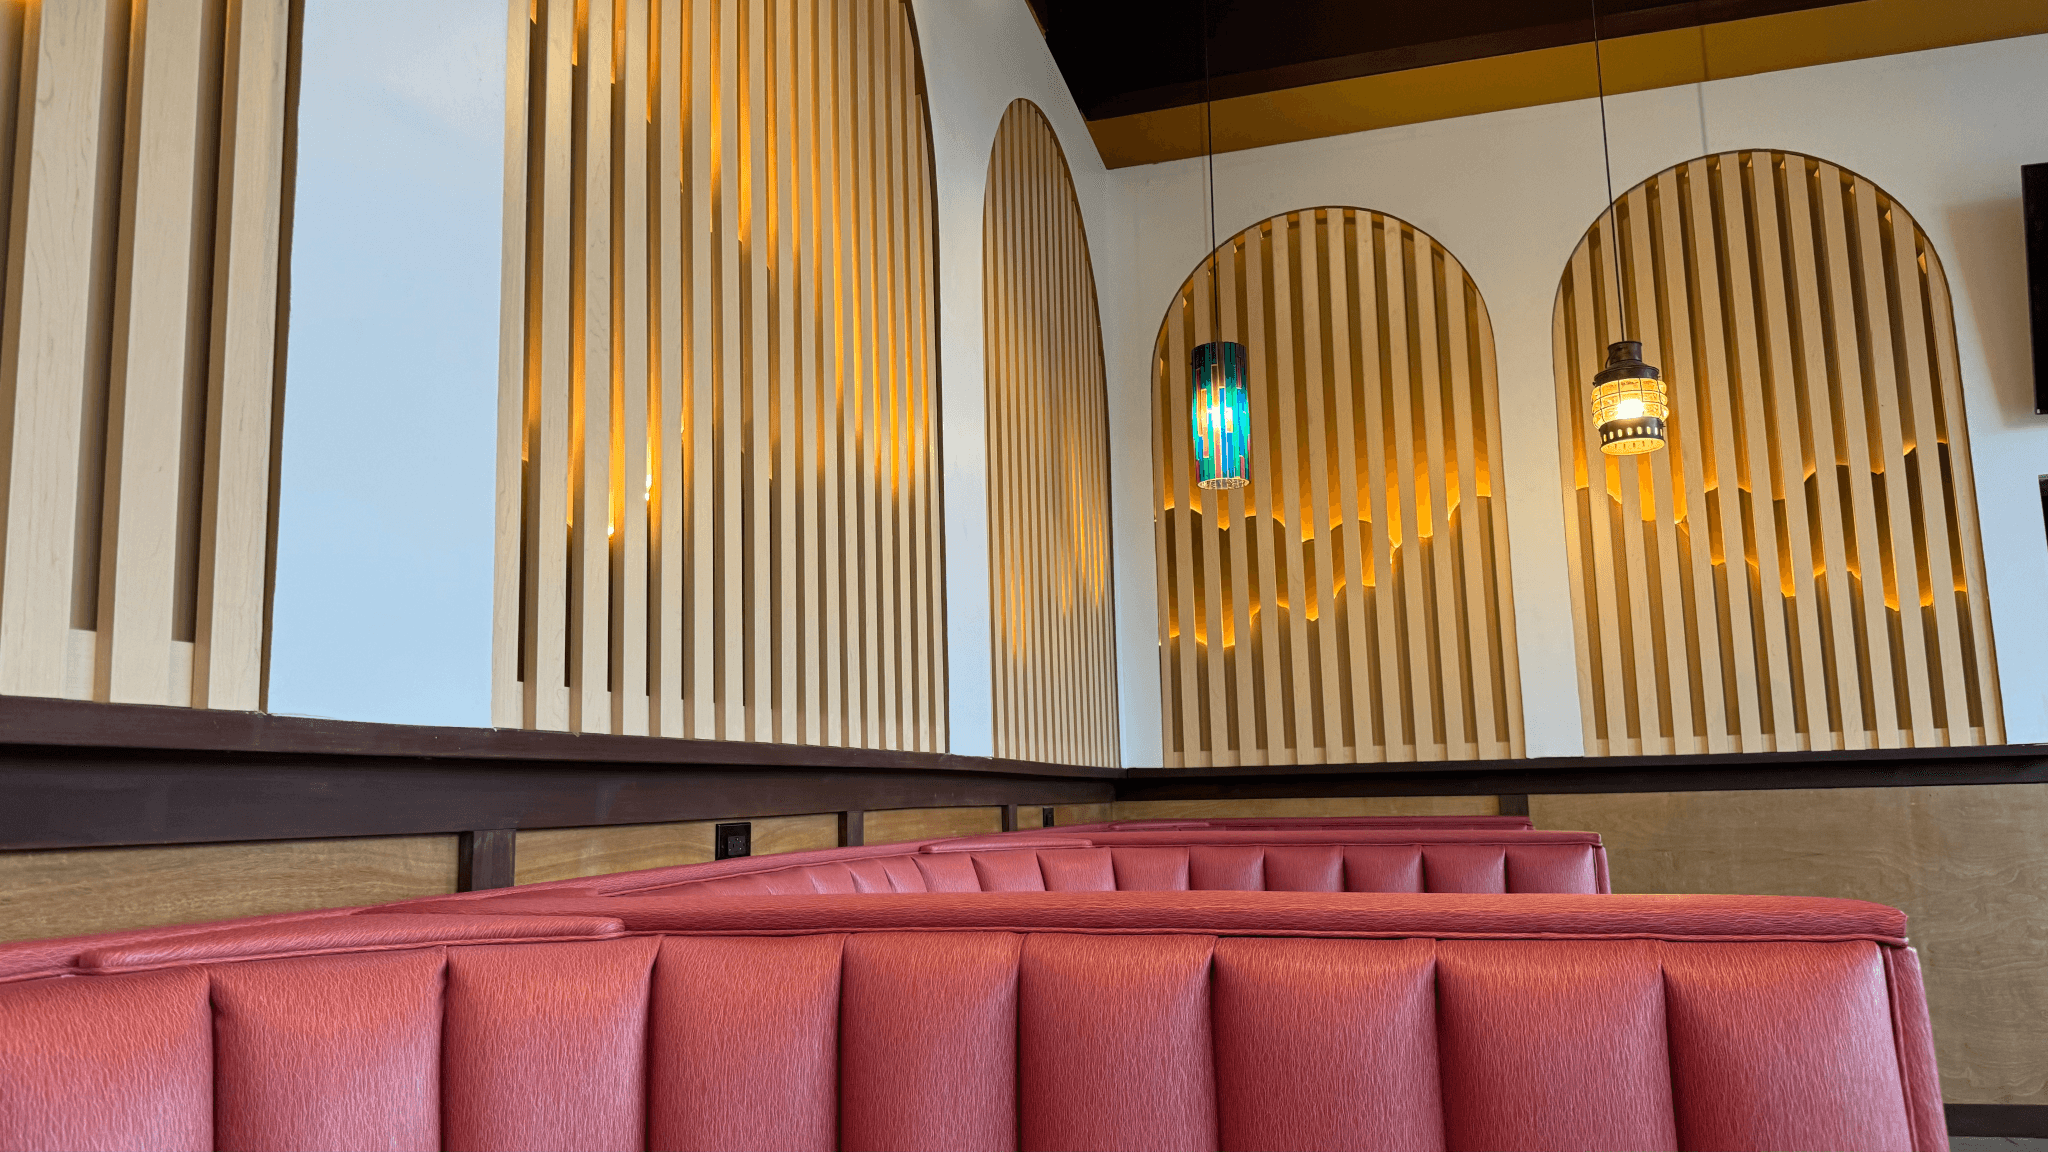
(1030, 1020)
(1405, 854)
(1290, 859)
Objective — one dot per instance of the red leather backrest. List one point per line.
(119, 1062)
(292, 1036)
(1064, 1021)
(1148, 860)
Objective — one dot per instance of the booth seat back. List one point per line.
(1037, 1021)
(1372, 859)
(1314, 860)
(1484, 823)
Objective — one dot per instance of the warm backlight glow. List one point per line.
(1630, 414)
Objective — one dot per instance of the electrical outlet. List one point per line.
(1045, 817)
(731, 840)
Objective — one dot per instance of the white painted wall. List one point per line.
(383, 608)
(978, 56)
(384, 565)
(1510, 193)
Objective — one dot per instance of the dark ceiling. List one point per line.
(1126, 56)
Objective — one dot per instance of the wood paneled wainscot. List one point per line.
(1967, 864)
(566, 853)
(81, 891)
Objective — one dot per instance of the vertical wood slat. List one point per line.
(1264, 539)
(1048, 431)
(1801, 320)
(1315, 496)
(550, 358)
(635, 389)
(148, 391)
(700, 470)
(146, 170)
(1376, 438)
(666, 416)
(723, 375)
(508, 705)
(44, 349)
(227, 661)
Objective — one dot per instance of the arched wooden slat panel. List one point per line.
(1743, 590)
(717, 449)
(1048, 458)
(1353, 603)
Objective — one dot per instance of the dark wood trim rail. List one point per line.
(1878, 768)
(2010, 1120)
(72, 798)
(34, 720)
(485, 859)
(79, 774)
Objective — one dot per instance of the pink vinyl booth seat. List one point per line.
(1374, 859)
(1141, 1020)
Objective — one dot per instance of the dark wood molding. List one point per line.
(39, 721)
(79, 775)
(2023, 1121)
(72, 798)
(484, 859)
(1878, 768)
(853, 828)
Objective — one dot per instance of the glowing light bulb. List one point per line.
(1630, 408)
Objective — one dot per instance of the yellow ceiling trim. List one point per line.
(1829, 35)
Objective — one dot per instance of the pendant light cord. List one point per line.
(1209, 150)
(1706, 149)
(1607, 158)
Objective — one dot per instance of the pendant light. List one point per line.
(1221, 407)
(1629, 401)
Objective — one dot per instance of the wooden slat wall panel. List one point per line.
(146, 150)
(1742, 590)
(718, 449)
(1048, 458)
(1352, 604)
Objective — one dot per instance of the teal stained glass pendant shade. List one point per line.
(1222, 414)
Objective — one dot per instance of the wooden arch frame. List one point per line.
(1800, 316)
(1052, 608)
(1372, 507)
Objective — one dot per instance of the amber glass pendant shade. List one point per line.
(1222, 414)
(1629, 402)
